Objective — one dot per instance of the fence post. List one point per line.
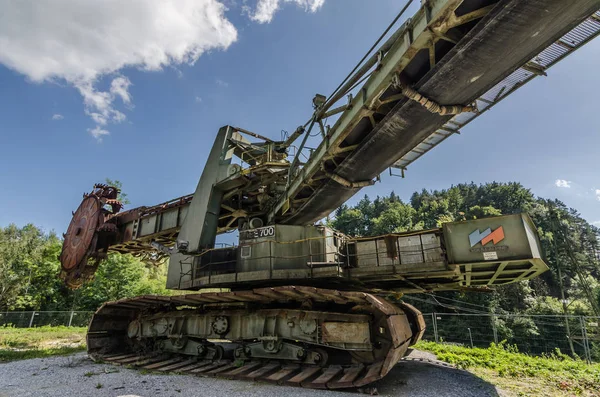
(494, 329)
(470, 337)
(71, 318)
(31, 321)
(586, 346)
(435, 330)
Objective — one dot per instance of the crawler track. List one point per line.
(398, 328)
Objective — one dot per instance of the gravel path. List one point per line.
(76, 375)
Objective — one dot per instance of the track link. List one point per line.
(108, 341)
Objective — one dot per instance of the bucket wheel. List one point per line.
(86, 240)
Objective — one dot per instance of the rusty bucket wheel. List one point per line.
(81, 232)
(80, 240)
(80, 252)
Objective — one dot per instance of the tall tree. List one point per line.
(28, 267)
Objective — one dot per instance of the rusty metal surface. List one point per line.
(130, 241)
(80, 233)
(107, 338)
(89, 235)
(345, 332)
(98, 227)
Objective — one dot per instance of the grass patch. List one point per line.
(12, 355)
(522, 374)
(25, 343)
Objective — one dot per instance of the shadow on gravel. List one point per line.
(78, 376)
(427, 379)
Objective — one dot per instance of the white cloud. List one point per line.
(198, 99)
(57, 116)
(98, 133)
(596, 223)
(120, 87)
(222, 83)
(99, 104)
(265, 9)
(81, 41)
(562, 183)
(597, 192)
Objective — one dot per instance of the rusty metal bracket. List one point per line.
(344, 182)
(429, 104)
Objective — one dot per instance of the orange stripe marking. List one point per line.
(496, 236)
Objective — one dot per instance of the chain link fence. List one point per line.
(534, 334)
(41, 318)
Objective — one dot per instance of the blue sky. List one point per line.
(245, 64)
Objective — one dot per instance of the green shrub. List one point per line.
(505, 360)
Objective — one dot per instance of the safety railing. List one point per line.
(336, 252)
(307, 253)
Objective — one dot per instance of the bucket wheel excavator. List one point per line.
(304, 304)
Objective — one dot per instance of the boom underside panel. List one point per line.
(551, 55)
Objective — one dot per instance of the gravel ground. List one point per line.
(76, 375)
